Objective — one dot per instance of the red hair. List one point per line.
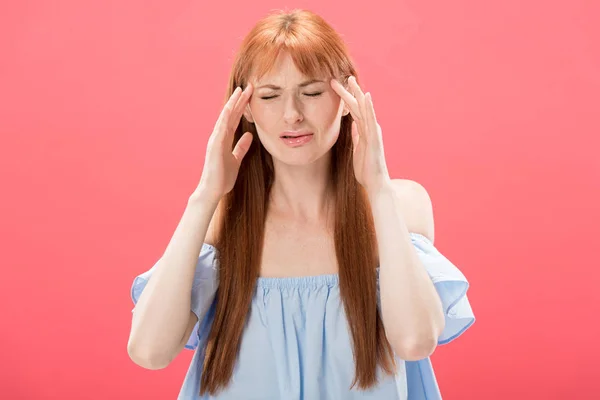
(316, 49)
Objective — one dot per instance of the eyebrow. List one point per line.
(303, 84)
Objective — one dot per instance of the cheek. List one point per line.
(264, 121)
(324, 111)
(333, 106)
(333, 112)
(265, 114)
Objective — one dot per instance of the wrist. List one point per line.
(204, 197)
(383, 189)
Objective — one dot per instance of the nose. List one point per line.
(292, 113)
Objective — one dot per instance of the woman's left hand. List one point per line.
(370, 167)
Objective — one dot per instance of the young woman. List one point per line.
(300, 269)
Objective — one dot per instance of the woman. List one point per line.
(300, 269)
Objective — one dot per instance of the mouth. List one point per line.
(294, 135)
(296, 139)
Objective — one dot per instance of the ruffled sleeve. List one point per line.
(450, 284)
(204, 288)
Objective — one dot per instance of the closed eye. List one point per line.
(306, 94)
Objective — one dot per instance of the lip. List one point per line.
(295, 134)
(297, 141)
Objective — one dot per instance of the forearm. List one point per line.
(162, 312)
(411, 308)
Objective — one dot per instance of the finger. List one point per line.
(358, 94)
(240, 106)
(229, 106)
(348, 98)
(371, 119)
(242, 146)
(227, 109)
(233, 119)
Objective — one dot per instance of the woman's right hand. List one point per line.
(221, 164)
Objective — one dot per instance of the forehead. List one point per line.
(284, 72)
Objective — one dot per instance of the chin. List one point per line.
(299, 156)
(296, 159)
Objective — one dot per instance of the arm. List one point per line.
(411, 308)
(162, 320)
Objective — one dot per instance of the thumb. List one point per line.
(242, 146)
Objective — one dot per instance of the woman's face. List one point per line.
(286, 104)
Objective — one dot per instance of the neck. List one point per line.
(302, 193)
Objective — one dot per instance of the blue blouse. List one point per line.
(297, 345)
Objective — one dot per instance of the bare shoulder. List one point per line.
(416, 207)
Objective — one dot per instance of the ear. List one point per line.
(346, 110)
(248, 114)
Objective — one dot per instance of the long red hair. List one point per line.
(316, 48)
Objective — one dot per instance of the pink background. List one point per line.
(105, 111)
